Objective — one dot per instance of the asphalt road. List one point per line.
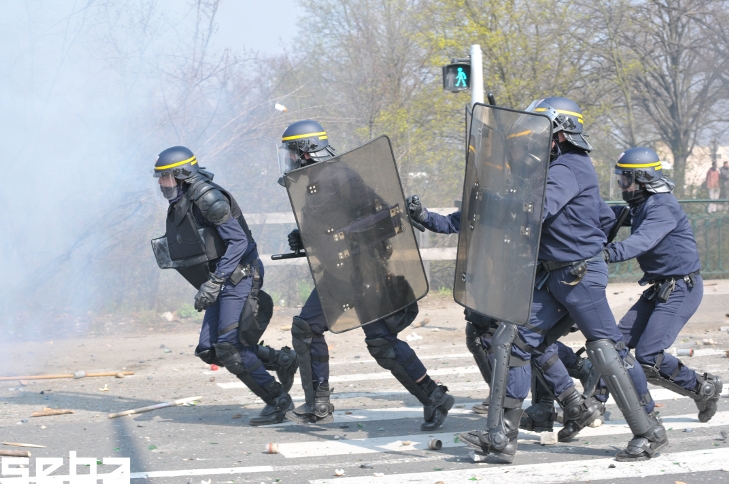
(375, 437)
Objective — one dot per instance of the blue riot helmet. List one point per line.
(172, 165)
(639, 170)
(566, 117)
(303, 142)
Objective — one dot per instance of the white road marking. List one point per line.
(420, 441)
(201, 472)
(566, 471)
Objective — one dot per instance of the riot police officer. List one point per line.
(209, 243)
(303, 143)
(662, 241)
(480, 329)
(571, 278)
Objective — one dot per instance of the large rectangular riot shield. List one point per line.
(503, 196)
(354, 224)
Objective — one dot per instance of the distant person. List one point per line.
(712, 184)
(209, 243)
(724, 181)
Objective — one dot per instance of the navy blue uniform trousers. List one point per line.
(225, 312)
(652, 326)
(587, 303)
(313, 314)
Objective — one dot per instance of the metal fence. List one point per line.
(711, 231)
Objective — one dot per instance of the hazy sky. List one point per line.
(259, 25)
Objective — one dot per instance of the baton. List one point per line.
(492, 99)
(618, 223)
(290, 255)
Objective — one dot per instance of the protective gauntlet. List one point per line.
(208, 292)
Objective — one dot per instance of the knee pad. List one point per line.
(208, 356)
(301, 334)
(229, 357)
(382, 351)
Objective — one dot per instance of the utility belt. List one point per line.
(662, 288)
(578, 268)
(242, 271)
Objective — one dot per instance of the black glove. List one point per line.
(295, 242)
(415, 209)
(606, 255)
(208, 292)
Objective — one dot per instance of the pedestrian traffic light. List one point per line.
(457, 77)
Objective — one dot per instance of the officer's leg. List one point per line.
(663, 369)
(592, 383)
(307, 333)
(478, 342)
(242, 361)
(578, 410)
(510, 379)
(398, 357)
(587, 304)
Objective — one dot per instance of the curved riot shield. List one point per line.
(503, 196)
(361, 249)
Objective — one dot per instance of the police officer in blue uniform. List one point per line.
(208, 241)
(571, 279)
(305, 142)
(662, 241)
(580, 409)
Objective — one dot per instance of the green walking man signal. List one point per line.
(457, 77)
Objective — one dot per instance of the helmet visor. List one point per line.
(168, 184)
(288, 158)
(625, 178)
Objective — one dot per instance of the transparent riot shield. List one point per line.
(503, 196)
(361, 249)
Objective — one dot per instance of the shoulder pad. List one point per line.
(214, 205)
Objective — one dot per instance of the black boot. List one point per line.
(483, 407)
(643, 447)
(708, 388)
(540, 416)
(435, 411)
(497, 444)
(320, 412)
(284, 362)
(579, 412)
(276, 407)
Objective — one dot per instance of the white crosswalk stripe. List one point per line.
(570, 471)
(420, 441)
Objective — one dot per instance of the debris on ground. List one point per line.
(688, 430)
(379, 474)
(18, 444)
(237, 415)
(477, 456)
(548, 438)
(105, 389)
(49, 412)
(272, 448)
(435, 444)
(405, 443)
(214, 367)
(76, 375)
(413, 337)
(149, 408)
(421, 323)
(708, 342)
(365, 465)
(338, 472)
(14, 453)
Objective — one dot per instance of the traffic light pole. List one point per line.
(476, 74)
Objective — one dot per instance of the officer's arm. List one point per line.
(236, 241)
(215, 208)
(607, 218)
(658, 223)
(443, 224)
(561, 188)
